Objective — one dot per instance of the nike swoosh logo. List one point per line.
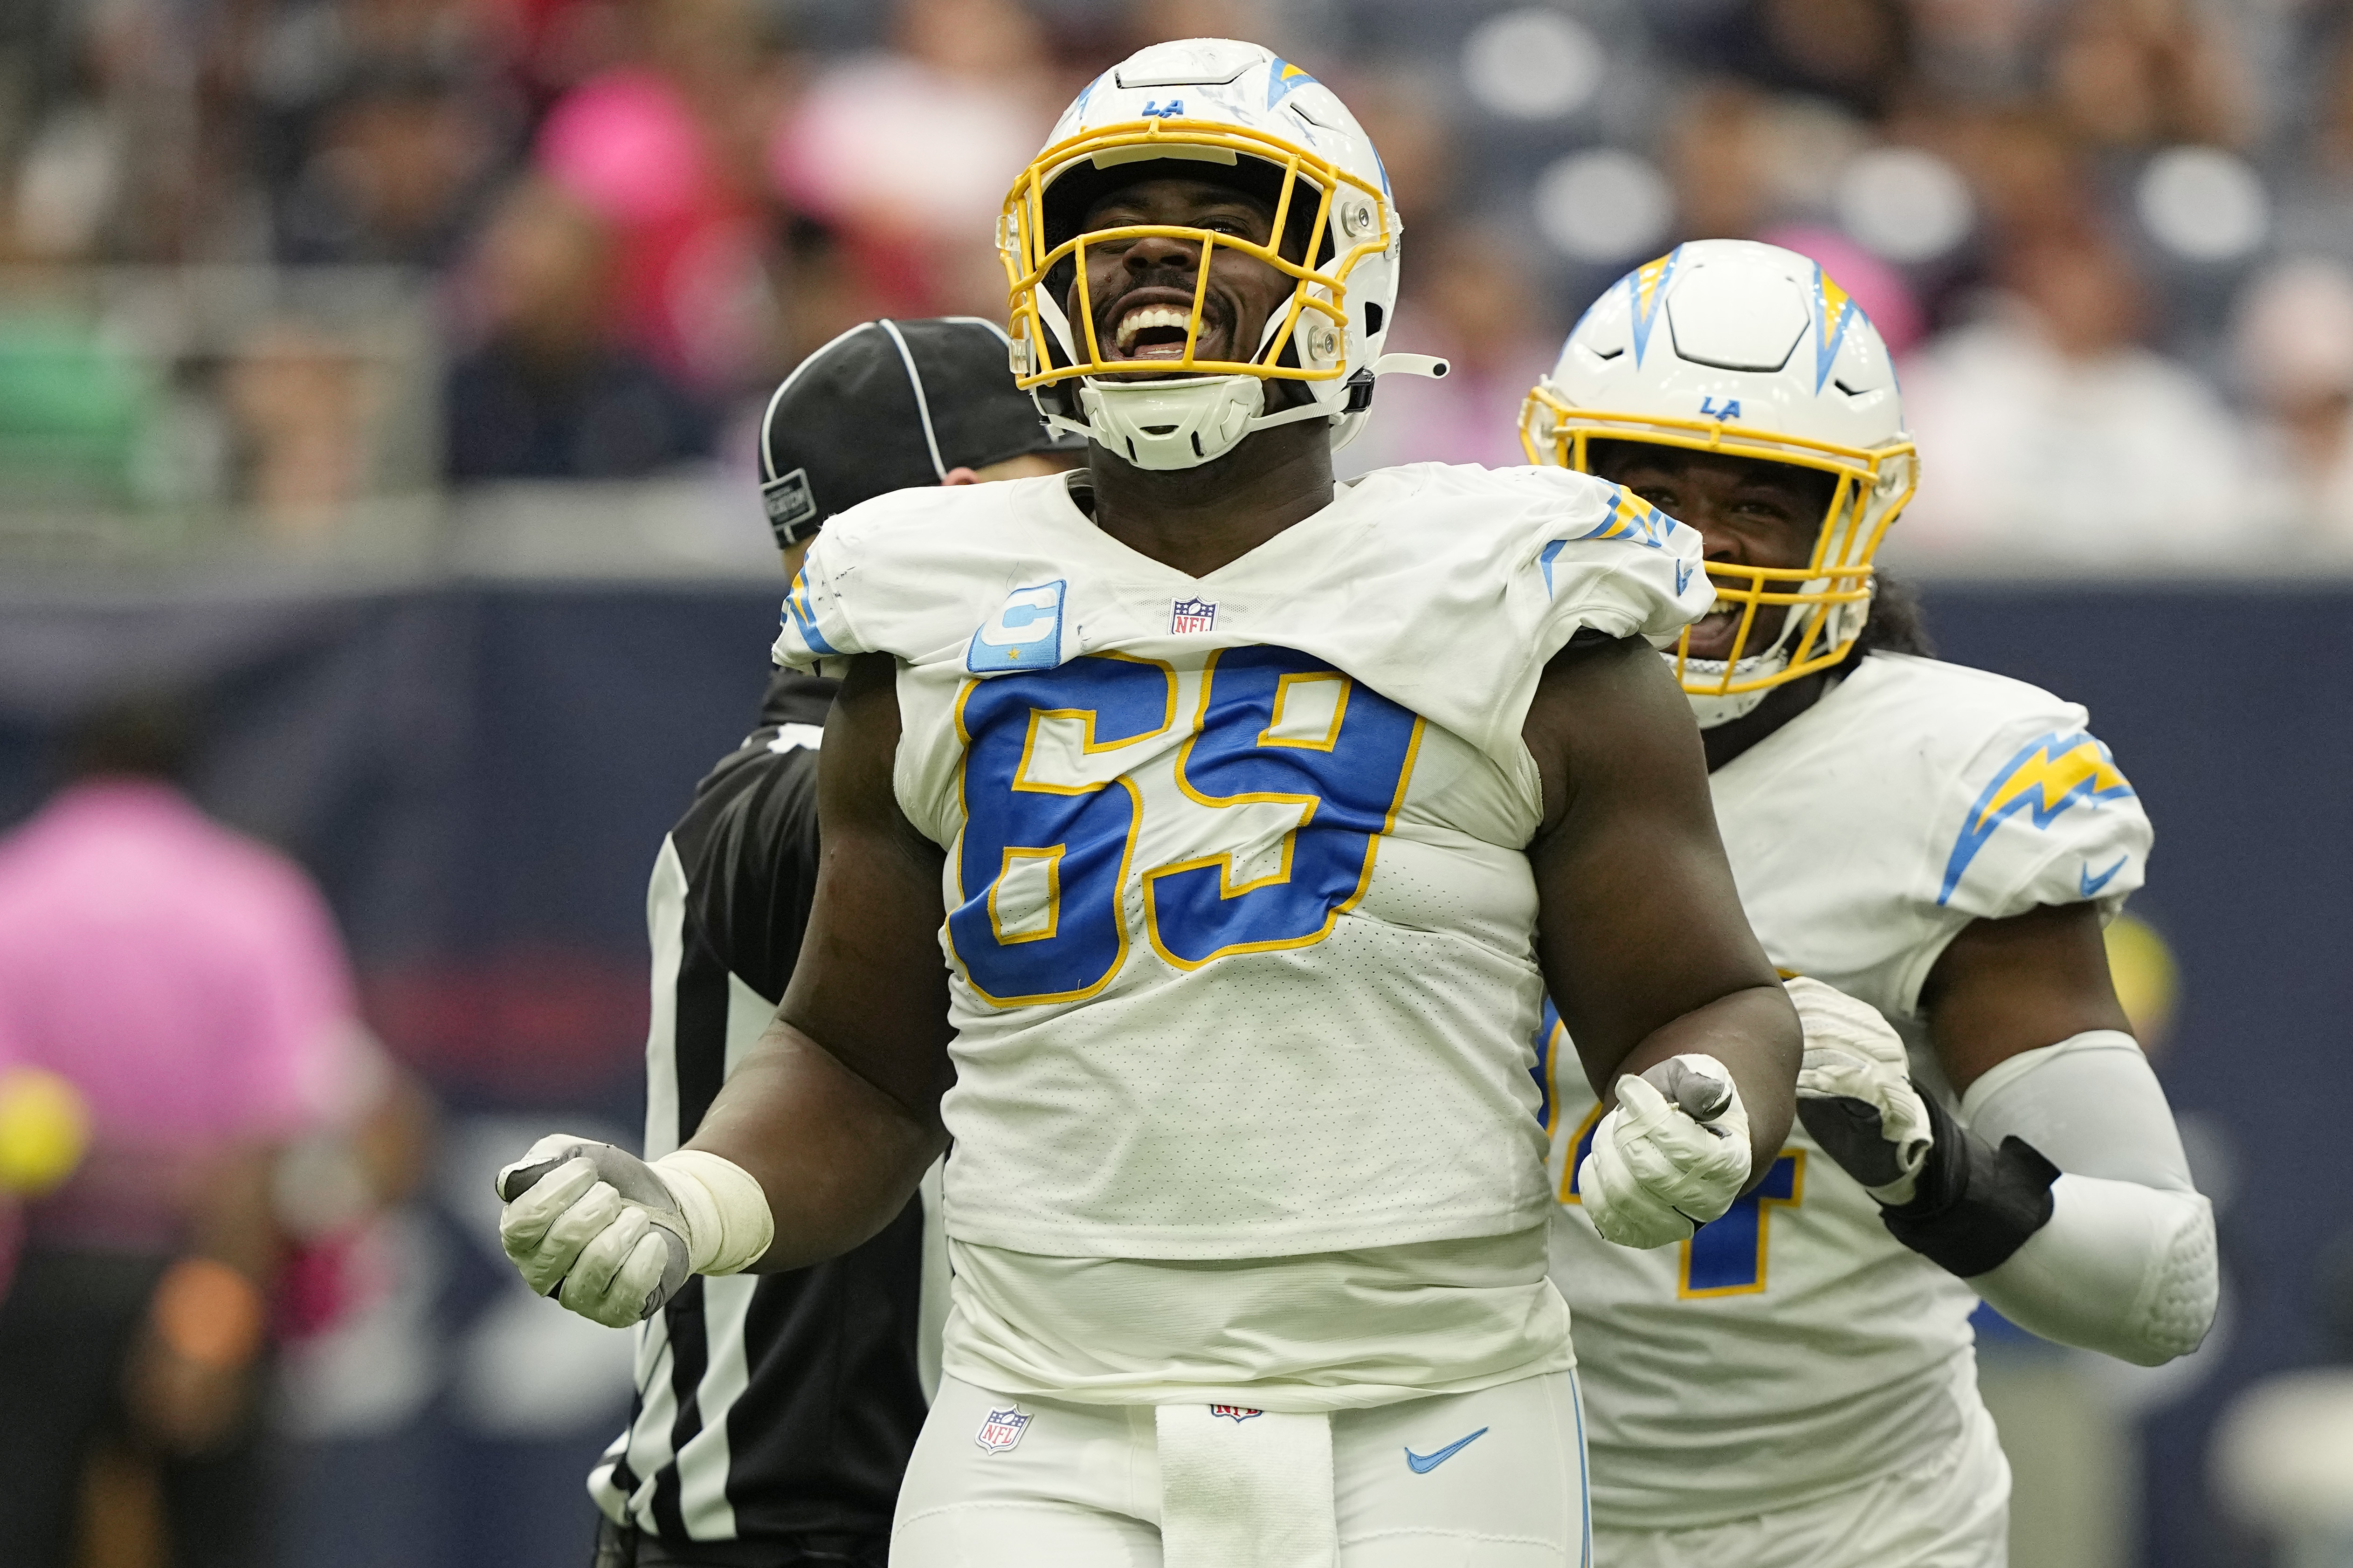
(1422, 1464)
(2091, 884)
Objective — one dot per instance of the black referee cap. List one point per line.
(890, 404)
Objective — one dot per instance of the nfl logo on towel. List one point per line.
(1191, 616)
(1002, 1429)
(1235, 1411)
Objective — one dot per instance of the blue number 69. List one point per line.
(1043, 867)
(1345, 774)
(1074, 838)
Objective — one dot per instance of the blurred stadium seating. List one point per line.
(276, 270)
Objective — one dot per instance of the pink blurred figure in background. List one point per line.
(666, 148)
(910, 153)
(1470, 298)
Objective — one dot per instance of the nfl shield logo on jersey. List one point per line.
(1191, 616)
(1002, 1428)
(1235, 1413)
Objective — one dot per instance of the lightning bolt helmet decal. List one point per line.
(1833, 308)
(1646, 290)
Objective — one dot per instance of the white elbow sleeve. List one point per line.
(2126, 1265)
(2121, 1268)
(2090, 1104)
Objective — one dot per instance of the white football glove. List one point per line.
(613, 1237)
(1656, 1173)
(1855, 1094)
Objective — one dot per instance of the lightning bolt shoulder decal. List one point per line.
(1634, 520)
(2047, 776)
(1631, 519)
(800, 616)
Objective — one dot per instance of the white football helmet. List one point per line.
(1727, 345)
(1208, 104)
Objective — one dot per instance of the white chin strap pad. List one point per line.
(1175, 424)
(1183, 423)
(2126, 1265)
(1711, 710)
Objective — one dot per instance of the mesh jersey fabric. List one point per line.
(1239, 920)
(1239, 916)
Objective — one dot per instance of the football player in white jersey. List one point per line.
(1940, 843)
(1252, 817)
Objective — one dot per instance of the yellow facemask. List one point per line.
(1048, 349)
(1828, 598)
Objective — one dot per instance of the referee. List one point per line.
(775, 1413)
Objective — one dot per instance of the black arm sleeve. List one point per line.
(1975, 1204)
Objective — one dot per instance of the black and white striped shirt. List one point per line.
(776, 1408)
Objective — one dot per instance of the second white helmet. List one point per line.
(1729, 346)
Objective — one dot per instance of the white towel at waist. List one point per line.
(1245, 1489)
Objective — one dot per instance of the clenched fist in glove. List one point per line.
(613, 1237)
(1670, 1157)
(1855, 1094)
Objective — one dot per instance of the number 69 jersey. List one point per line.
(1792, 1348)
(1239, 916)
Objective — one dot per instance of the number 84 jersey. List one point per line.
(1239, 916)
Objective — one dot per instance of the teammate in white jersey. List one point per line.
(1938, 842)
(1252, 817)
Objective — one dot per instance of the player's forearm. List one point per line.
(1754, 1034)
(837, 1157)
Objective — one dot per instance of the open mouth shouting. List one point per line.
(1712, 634)
(1147, 325)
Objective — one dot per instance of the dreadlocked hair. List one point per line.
(1897, 623)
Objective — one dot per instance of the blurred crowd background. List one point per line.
(308, 273)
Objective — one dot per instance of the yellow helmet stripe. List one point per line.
(1833, 308)
(1650, 290)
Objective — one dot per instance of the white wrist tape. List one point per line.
(728, 1225)
(2121, 1268)
(2126, 1265)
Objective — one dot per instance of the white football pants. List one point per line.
(1950, 1512)
(1490, 1479)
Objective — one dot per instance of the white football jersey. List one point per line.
(1239, 913)
(1793, 1347)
